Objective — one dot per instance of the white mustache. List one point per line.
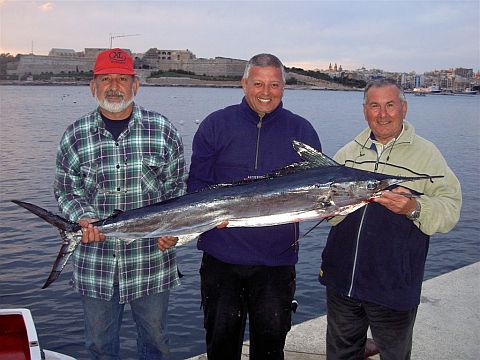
(114, 93)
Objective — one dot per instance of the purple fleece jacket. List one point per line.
(232, 144)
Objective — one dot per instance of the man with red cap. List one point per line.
(120, 156)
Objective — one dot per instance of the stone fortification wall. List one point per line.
(186, 81)
(185, 60)
(153, 59)
(165, 60)
(209, 67)
(62, 52)
(38, 64)
(166, 65)
(219, 66)
(93, 52)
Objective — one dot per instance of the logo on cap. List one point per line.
(117, 57)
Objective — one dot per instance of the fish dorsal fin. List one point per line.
(292, 168)
(116, 212)
(315, 157)
(236, 182)
(312, 159)
(289, 169)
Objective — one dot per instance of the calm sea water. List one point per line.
(34, 118)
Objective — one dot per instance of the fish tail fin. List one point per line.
(55, 220)
(68, 247)
(67, 230)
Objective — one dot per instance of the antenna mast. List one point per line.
(113, 36)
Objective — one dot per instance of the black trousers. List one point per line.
(348, 321)
(230, 292)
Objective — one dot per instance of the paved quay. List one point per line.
(447, 325)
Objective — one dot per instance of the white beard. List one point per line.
(113, 107)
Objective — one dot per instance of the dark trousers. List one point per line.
(230, 292)
(348, 321)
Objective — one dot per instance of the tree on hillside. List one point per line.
(4, 59)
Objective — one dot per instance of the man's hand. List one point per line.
(90, 232)
(222, 225)
(165, 242)
(396, 202)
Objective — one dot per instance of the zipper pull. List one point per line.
(259, 124)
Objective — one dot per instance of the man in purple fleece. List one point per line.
(249, 270)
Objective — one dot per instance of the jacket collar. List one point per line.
(253, 116)
(364, 139)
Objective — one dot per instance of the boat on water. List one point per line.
(434, 89)
(470, 91)
(19, 340)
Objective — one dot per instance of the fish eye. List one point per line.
(372, 184)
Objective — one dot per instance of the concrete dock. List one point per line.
(447, 325)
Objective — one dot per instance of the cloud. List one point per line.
(46, 7)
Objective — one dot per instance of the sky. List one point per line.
(392, 35)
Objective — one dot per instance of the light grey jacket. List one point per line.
(408, 155)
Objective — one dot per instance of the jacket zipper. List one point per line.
(363, 217)
(259, 127)
(356, 251)
(379, 155)
(295, 241)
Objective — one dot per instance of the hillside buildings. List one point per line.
(453, 80)
(68, 65)
(68, 61)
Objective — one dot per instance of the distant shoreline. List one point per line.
(207, 84)
(170, 83)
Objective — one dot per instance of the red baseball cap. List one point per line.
(113, 61)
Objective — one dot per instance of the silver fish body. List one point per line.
(317, 188)
(309, 194)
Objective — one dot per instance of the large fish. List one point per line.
(317, 188)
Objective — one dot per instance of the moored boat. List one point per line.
(434, 89)
(470, 91)
(19, 340)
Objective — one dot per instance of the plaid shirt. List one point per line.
(96, 175)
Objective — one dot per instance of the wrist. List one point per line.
(415, 213)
